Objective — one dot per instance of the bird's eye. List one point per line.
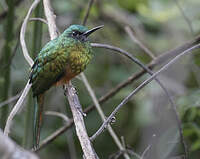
(74, 33)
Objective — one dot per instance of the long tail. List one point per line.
(38, 113)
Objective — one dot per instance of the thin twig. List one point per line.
(38, 19)
(187, 20)
(10, 100)
(131, 152)
(87, 12)
(139, 88)
(103, 117)
(23, 30)
(151, 73)
(128, 30)
(16, 108)
(138, 42)
(134, 59)
(145, 151)
(58, 114)
(147, 148)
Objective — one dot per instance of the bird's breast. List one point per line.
(78, 60)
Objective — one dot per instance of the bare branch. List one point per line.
(138, 42)
(139, 88)
(102, 115)
(10, 100)
(58, 114)
(79, 123)
(23, 30)
(131, 152)
(166, 56)
(16, 108)
(125, 53)
(9, 149)
(50, 16)
(187, 20)
(147, 148)
(87, 12)
(128, 30)
(38, 19)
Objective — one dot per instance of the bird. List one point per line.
(60, 60)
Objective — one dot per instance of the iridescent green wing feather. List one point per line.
(49, 66)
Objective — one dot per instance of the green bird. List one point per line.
(57, 63)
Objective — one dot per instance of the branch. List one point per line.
(9, 149)
(39, 19)
(50, 16)
(79, 123)
(103, 117)
(58, 114)
(23, 30)
(139, 43)
(130, 33)
(187, 20)
(87, 12)
(139, 88)
(10, 100)
(16, 108)
(71, 94)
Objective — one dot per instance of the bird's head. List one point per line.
(79, 32)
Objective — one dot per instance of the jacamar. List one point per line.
(57, 63)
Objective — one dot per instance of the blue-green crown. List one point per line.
(75, 27)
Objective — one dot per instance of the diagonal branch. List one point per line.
(88, 11)
(187, 20)
(100, 130)
(9, 149)
(10, 100)
(138, 42)
(103, 117)
(16, 108)
(130, 33)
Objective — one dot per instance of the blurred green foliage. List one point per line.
(147, 119)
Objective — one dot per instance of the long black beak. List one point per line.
(87, 33)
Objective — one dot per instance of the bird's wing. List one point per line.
(49, 67)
